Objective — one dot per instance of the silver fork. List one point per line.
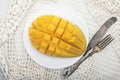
(100, 46)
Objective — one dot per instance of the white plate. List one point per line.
(65, 12)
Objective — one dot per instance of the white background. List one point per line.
(3, 12)
(4, 7)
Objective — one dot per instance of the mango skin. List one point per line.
(55, 36)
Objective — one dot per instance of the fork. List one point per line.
(102, 44)
(99, 47)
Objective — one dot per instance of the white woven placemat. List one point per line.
(16, 63)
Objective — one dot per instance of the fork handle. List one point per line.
(69, 70)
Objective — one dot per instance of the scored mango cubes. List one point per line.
(55, 36)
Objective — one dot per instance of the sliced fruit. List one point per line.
(55, 36)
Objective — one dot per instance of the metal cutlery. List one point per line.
(93, 44)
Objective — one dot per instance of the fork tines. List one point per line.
(103, 43)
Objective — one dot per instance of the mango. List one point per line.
(55, 36)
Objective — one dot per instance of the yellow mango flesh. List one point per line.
(55, 36)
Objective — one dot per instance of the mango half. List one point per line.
(55, 36)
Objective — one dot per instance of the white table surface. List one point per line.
(4, 5)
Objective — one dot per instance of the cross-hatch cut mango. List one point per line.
(55, 36)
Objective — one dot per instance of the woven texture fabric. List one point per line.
(17, 11)
(17, 64)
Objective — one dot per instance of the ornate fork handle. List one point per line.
(69, 70)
